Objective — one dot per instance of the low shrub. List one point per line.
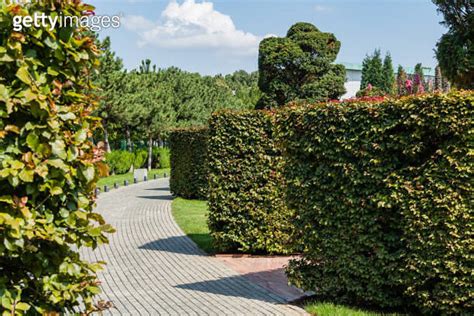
(140, 158)
(119, 161)
(189, 170)
(247, 210)
(383, 193)
(161, 157)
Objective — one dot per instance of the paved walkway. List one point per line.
(154, 269)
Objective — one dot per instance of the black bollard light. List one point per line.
(165, 175)
(125, 182)
(154, 177)
(135, 180)
(144, 178)
(106, 188)
(115, 185)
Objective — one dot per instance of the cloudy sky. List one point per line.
(221, 36)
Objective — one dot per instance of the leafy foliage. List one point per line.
(299, 67)
(162, 157)
(119, 161)
(247, 210)
(383, 194)
(140, 159)
(48, 165)
(455, 49)
(189, 169)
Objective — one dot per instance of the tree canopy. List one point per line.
(455, 49)
(299, 66)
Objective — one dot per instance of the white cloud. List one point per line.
(193, 24)
(321, 8)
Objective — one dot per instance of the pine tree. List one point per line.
(372, 71)
(388, 74)
(106, 81)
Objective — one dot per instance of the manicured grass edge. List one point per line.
(191, 216)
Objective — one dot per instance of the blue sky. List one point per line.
(221, 36)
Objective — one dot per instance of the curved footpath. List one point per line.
(154, 269)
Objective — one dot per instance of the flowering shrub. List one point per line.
(48, 165)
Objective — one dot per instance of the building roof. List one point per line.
(427, 71)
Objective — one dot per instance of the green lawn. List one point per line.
(119, 179)
(191, 216)
(329, 309)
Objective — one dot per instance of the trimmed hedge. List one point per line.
(384, 198)
(189, 170)
(247, 211)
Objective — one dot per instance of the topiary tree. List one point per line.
(48, 165)
(299, 67)
(455, 49)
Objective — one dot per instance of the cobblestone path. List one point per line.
(154, 269)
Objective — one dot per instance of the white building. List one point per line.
(354, 77)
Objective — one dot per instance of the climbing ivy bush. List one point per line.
(189, 162)
(247, 211)
(48, 165)
(383, 193)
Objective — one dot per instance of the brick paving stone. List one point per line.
(154, 269)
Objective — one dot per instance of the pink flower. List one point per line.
(408, 85)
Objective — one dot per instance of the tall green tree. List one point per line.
(107, 80)
(388, 75)
(299, 66)
(372, 71)
(151, 100)
(455, 49)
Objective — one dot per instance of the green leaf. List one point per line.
(24, 75)
(56, 191)
(26, 175)
(88, 173)
(32, 140)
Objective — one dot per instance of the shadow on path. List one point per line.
(157, 197)
(158, 189)
(175, 244)
(236, 286)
